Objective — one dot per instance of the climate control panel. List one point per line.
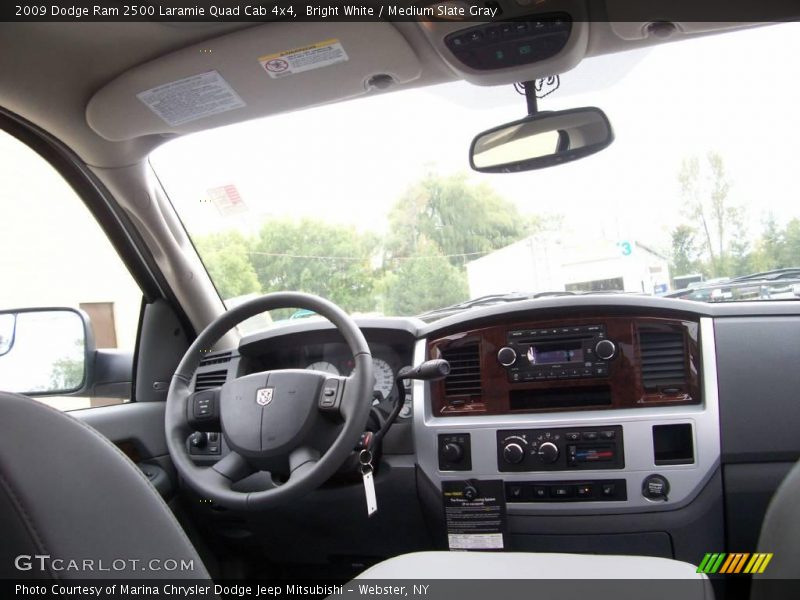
(567, 449)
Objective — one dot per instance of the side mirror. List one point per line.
(541, 140)
(45, 351)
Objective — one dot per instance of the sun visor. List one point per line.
(252, 73)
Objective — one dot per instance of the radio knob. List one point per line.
(513, 453)
(605, 349)
(452, 452)
(548, 452)
(506, 356)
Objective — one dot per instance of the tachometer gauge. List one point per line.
(384, 376)
(325, 366)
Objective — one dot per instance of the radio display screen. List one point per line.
(548, 354)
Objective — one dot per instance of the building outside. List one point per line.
(543, 263)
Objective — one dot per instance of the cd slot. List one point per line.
(555, 337)
(564, 398)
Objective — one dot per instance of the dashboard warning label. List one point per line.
(314, 56)
(185, 100)
(475, 513)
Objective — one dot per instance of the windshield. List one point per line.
(371, 203)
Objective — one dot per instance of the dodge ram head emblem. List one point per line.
(264, 396)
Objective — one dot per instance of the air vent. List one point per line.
(465, 370)
(217, 358)
(210, 379)
(663, 358)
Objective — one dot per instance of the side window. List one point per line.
(54, 254)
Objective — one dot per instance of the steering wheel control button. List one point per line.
(655, 487)
(454, 452)
(329, 398)
(204, 405)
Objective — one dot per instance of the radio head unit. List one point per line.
(557, 353)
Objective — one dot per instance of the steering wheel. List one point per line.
(295, 427)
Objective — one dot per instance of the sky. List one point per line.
(348, 163)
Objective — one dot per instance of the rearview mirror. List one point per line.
(541, 140)
(8, 324)
(44, 351)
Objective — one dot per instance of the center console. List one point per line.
(591, 414)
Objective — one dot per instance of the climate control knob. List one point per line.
(452, 452)
(506, 356)
(605, 349)
(548, 452)
(513, 453)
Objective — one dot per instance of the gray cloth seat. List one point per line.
(526, 565)
(68, 493)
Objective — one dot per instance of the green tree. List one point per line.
(462, 220)
(685, 251)
(705, 192)
(226, 256)
(67, 374)
(790, 256)
(741, 259)
(770, 248)
(422, 283)
(333, 261)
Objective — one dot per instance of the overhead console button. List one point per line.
(510, 44)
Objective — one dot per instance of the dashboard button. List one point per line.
(573, 436)
(589, 435)
(515, 492)
(539, 492)
(584, 491)
(608, 490)
(562, 491)
(608, 435)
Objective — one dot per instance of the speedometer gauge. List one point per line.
(384, 376)
(325, 366)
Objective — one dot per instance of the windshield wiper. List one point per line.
(774, 275)
(503, 298)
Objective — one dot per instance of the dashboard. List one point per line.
(334, 357)
(639, 422)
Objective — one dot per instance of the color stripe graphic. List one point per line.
(733, 563)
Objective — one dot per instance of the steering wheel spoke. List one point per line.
(233, 466)
(302, 460)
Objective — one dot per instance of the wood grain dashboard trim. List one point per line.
(622, 388)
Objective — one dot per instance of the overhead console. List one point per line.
(520, 43)
(511, 43)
